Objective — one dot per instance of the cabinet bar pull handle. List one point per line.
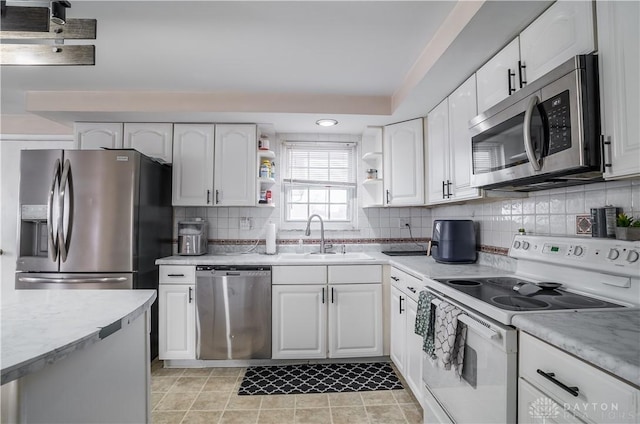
(606, 148)
(190, 294)
(550, 376)
(332, 295)
(401, 310)
(387, 197)
(208, 196)
(323, 295)
(509, 75)
(175, 275)
(520, 68)
(395, 278)
(413, 290)
(217, 196)
(444, 196)
(448, 189)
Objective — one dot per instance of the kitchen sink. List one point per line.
(337, 257)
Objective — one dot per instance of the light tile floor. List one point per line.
(209, 395)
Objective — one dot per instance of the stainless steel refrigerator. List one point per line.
(93, 219)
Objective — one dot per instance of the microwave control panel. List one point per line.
(558, 117)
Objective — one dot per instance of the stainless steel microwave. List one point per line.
(545, 135)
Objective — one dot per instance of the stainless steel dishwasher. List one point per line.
(233, 311)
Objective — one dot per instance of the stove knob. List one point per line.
(525, 245)
(613, 254)
(578, 251)
(633, 256)
(516, 244)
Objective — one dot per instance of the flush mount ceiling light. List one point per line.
(33, 33)
(326, 122)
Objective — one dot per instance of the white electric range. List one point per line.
(553, 274)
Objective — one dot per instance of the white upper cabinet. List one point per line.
(498, 78)
(449, 146)
(235, 158)
(564, 30)
(98, 135)
(403, 152)
(154, 140)
(193, 165)
(438, 152)
(619, 60)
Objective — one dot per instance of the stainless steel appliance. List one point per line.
(545, 135)
(553, 274)
(192, 237)
(93, 220)
(233, 312)
(454, 241)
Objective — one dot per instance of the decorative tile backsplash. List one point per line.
(545, 212)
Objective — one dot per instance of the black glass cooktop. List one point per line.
(499, 292)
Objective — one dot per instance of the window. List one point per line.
(319, 178)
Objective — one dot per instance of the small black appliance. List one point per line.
(454, 241)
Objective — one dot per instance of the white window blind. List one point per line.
(320, 178)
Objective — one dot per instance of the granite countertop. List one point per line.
(40, 327)
(609, 340)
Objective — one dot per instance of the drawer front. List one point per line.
(350, 274)
(177, 274)
(407, 283)
(314, 274)
(600, 397)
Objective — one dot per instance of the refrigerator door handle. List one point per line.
(72, 280)
(62, 234)
(51, 237)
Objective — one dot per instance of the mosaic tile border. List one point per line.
(504, 251)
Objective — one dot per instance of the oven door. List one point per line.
(486, 393)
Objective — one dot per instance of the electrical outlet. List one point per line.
(246, 223)
(405, 222)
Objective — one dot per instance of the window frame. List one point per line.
(287, 184)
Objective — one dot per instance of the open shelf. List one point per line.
(372, 157)
(267, 154)
(372, 181)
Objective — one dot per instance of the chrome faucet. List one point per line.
(307, 232)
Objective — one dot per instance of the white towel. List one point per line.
(450, 337)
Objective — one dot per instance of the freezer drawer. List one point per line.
(40, 280)
(233, 312)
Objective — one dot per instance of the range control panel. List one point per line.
(606, 255)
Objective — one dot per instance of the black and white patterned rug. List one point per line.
(319, 378)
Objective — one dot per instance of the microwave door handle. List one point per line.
(51, 237)
(528, 142)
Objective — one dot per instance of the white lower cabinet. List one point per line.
(557, 387)
(406, 345)
(340, 320)
(177, 313)
(299, 321)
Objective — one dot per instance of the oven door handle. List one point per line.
(478, 328)
(528, 143)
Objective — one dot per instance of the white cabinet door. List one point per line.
(398, 334)
(438, 152)
(235, 176)
(154, 140)
(564, 30)
(193, 165)
(462, 108)
(498, 78)
(619, 60)
(299, 327)
(177, 321)
(534, 407)
(98, 135)
(355, 320)
(403, 151)
(413, 362)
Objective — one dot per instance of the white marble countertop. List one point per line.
(609, 340)
(40, 327)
